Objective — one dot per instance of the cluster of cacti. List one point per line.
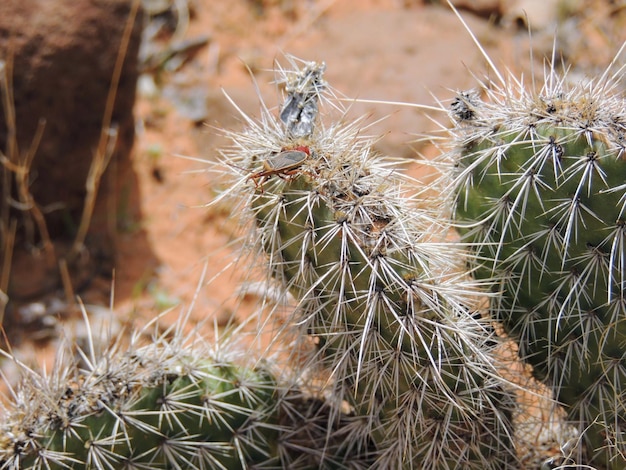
(390, 310)
(171, 404)
(391, 364)
(386, 305)
(540, 192)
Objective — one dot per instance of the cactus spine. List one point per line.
(388, 310)
(540, 192)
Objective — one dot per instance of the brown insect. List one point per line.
(284, 163)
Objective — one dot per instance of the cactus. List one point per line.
(539, 185)
(170, 404)
(392, 318)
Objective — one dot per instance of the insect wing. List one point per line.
(287, 160)
(291, 109)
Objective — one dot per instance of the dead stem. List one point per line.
(66, 280)
(5, 273)
(20, 166)
(106, 144)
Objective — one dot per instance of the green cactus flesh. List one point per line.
(389, 314)
(208, 415)
(541, 193)
(165, 408)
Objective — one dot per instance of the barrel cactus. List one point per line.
(539, 186)
(379, 294)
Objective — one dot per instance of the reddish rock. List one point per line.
(64, 52)
(60, 56)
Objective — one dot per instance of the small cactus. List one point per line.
(541, 194)
(169, 405)
(389, 311)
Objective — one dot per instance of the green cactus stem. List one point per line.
(169, 405)
(541, 193)
(388, 310)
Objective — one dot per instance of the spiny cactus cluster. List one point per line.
(169, 404)
(540, 191)
(391, 364)
(392, 316)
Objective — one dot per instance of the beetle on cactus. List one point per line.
(381, 298)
